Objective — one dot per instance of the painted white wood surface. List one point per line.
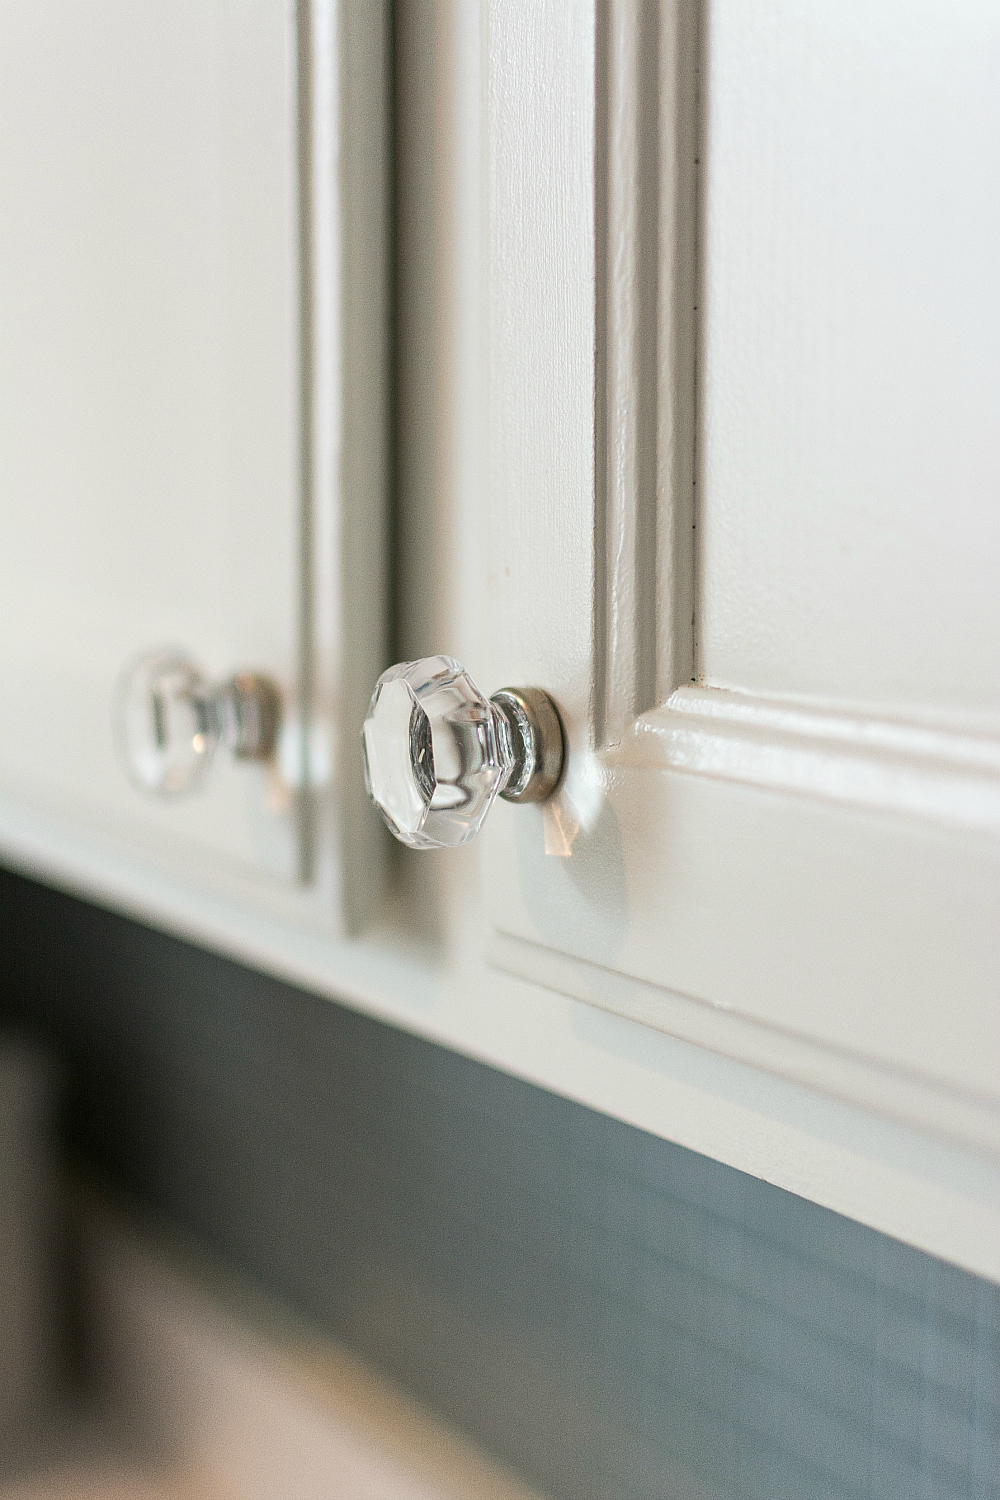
(850, 542)
(176, 181)
(880, 1144)
(815, 889)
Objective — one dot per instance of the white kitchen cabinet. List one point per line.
(695, 427)
(193, 237)
(778, 835)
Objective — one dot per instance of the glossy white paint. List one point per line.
(159, 479)
(791, 904)
(810, 882)
(850, 539)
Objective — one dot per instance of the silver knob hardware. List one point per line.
(438, 752)
(171, 720)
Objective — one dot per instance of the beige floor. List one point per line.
(100, 1480)
(216, 1397)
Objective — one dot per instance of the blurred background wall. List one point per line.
(616, 1317)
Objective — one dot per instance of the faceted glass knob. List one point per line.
(171, 720)
(438, 751)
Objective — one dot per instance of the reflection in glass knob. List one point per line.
(438, 752)
(171, 720)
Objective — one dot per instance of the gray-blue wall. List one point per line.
(615, 1316)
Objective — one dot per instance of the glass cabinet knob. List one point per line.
(170, 720)
(438, 752)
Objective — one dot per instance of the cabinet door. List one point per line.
(744, 428)
(191, 400)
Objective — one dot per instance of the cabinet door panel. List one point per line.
(850, 541)
(177, 285)
(771, 840)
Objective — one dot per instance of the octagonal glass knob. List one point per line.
(170, 720)
(438, 752)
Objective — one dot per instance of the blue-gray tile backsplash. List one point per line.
(616, 1317)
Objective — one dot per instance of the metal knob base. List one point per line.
(438, 752)
(248, 710)
(536, 740)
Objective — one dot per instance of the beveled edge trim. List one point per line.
(945, 775)
(913, 1099)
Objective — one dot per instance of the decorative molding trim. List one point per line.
(943, 775)
(915, 1100)
(646, 84)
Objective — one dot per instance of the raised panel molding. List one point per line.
(923, 1102)
(931, 772)
(195, 398)
(806, 886)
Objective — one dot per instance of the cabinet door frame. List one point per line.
(799, 886)
(329, 872)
